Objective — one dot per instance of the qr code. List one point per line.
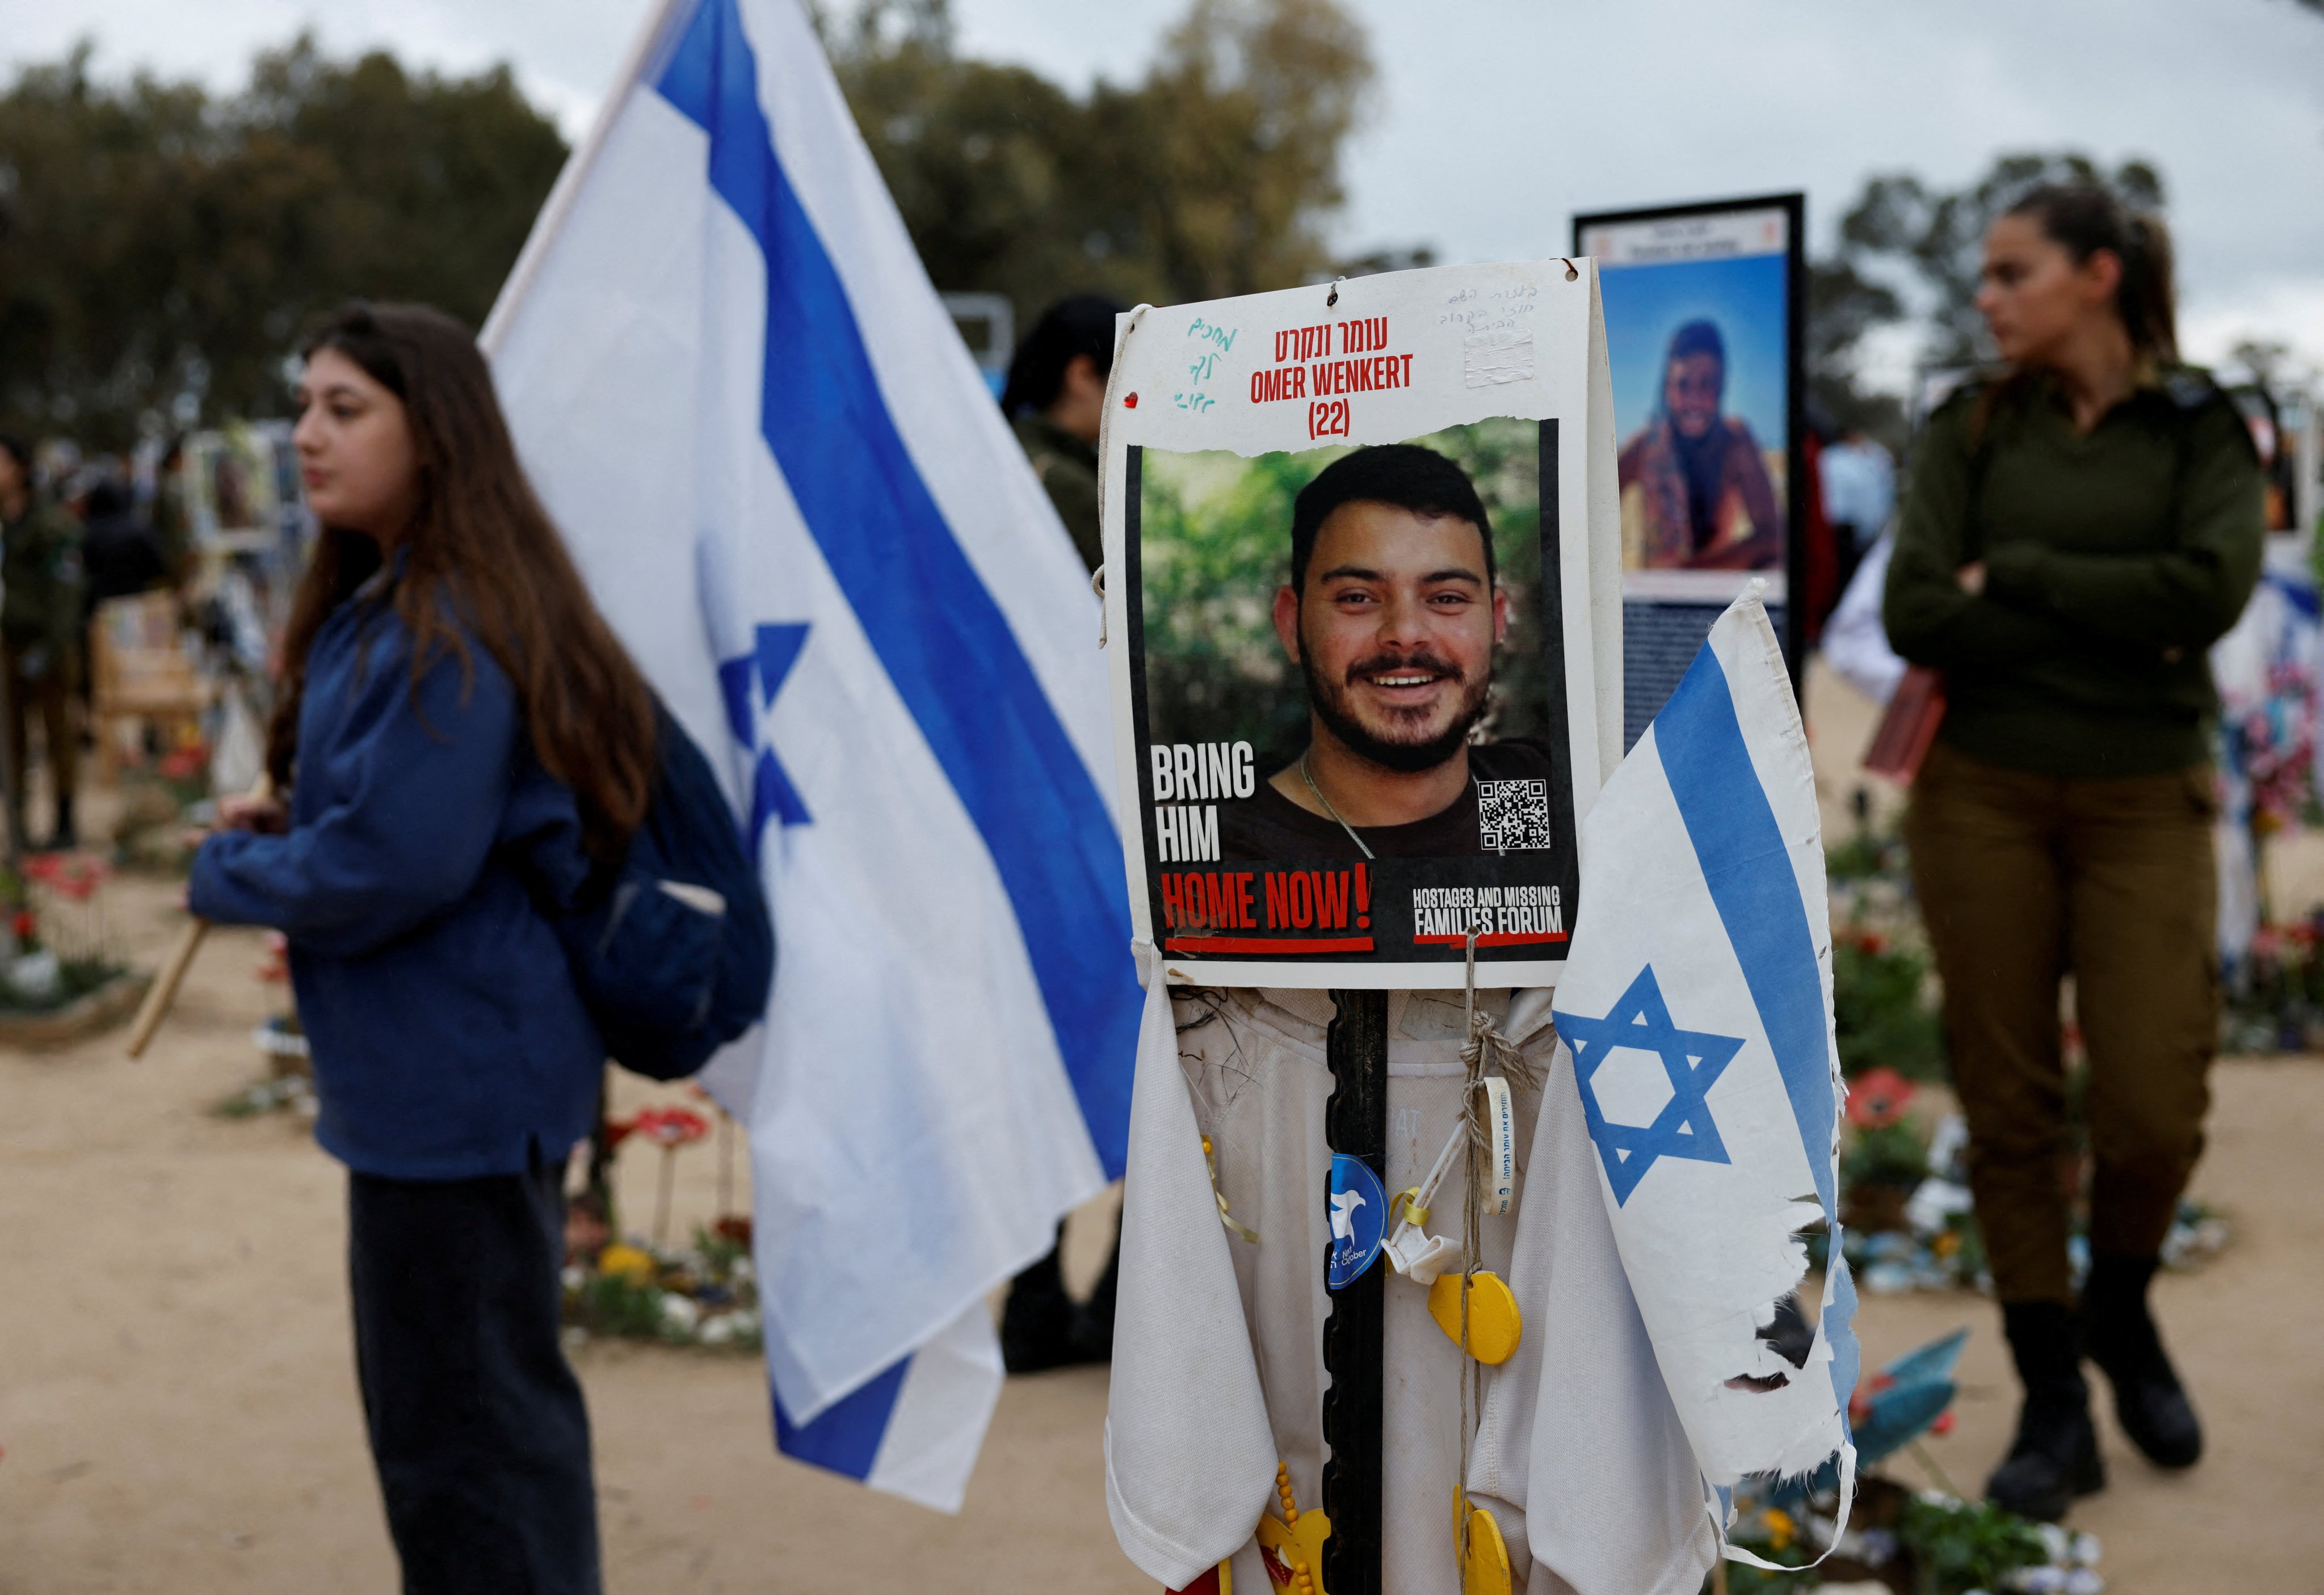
(1512, 816)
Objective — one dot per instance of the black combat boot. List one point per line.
(2055, 1456)
(2119, 1335)
(1093, 1323)
(1037, 1324)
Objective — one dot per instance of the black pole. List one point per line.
(1355, 1122)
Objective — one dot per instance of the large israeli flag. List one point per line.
(793, 497)
(1697, 1005)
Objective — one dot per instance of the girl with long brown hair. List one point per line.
(2080, 528)
(463, 741)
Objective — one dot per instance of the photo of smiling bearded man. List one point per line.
(1392, 615)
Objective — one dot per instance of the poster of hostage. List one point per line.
(1350, 586)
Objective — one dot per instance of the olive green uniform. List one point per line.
(2062, 822)
(173, 529)
(1067, 468)
(41, 603)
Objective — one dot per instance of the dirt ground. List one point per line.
(178, 1408)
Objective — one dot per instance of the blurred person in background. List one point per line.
(2079, 528)
(464, 745)
(1055, 400)
(120, 556)
(1859, 495)
(41, 614)
(171, 520)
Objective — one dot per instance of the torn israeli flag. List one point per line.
(1697, 1006)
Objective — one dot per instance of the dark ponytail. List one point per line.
(1078, 324)
(2082, 218)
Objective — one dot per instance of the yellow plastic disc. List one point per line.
(1494, 1321)
(1487, 1569)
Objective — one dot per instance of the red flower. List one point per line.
(183, 764)
(275, 967)
(21, 923)
(1944, 1423)
(76, 875)
(1877, 1097)
(1862, 940)
(671, 1126)
(617, 1130)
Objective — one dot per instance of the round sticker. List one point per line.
(1358, 1214)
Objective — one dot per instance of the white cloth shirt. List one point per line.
(1859, 487)
(1218, 1350)
(1855, 642)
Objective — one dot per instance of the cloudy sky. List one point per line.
(1496, 119)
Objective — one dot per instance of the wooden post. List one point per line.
(164, 988)
(163, 991)
(1355, 1122)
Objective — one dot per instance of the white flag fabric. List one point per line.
(1697, 1006)
(793, 497)
(1580, 1455)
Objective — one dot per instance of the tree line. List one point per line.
(162, 247)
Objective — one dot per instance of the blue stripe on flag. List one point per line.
(845, 1436)
(942, 640)
(1838, 1322)
(1749, 870)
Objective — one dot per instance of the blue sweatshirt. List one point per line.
(448, 1038)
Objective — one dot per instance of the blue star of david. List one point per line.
(775, 650)
(1693, 1060)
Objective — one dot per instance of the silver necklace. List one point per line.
(1307, 776)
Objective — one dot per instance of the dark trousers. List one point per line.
(2024, 878)
(47, 699)
(476, 1423)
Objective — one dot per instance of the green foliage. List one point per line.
(161, 249)
(2275, 995)
(616, 1304)
(76, 979)
(1909, 251)
(1214, 176)
(1881, 1012)
(1216, 545)
(1891, 1155)
(1844, 303)
(720, 1252)
(1957, 1546)
(1864, 857)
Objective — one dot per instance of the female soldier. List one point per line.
(461, 736)
(2080, 528)
(1055, 400)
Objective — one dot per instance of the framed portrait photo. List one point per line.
(1705, 308)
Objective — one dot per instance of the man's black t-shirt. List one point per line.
(1268, 826)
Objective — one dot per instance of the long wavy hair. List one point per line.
(482, 563)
